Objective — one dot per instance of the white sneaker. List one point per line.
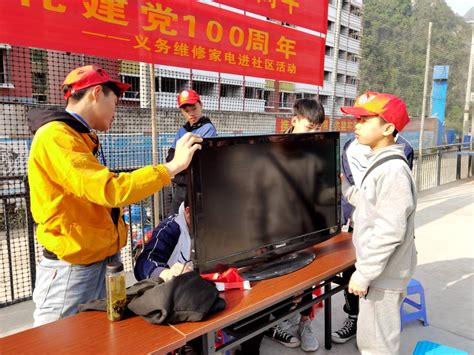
(308, 339)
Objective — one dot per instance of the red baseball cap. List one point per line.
(390, 107)
(188, 97)
(87, 76)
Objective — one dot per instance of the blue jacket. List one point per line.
(170, 243)
(204, 128)
(361, 164)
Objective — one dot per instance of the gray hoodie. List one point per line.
(384, 222)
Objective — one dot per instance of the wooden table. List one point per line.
(332, 257)
(91, 332)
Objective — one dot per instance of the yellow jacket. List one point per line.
(72, 194)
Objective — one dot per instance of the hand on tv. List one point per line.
(185, 148)
(356, 289)
(175, 270)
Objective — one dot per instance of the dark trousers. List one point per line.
(351, 307)
(284, 310)
(179, 193)
(252, 346)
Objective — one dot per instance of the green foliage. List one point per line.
(394, 51)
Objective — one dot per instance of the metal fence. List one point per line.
(20, 251)
(235, 107)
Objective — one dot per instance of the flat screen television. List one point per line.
(257, 198)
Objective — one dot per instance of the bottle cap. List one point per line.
(115, 266)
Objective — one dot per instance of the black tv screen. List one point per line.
(254, 198)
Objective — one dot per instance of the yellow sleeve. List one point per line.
(67, 159)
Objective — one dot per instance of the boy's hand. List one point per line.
(175, 270)
(356, 289)
(185, 148)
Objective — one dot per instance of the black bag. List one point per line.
(185, 298)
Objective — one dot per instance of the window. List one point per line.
(268, 96)
(327, 76)
(3, 66)
(349, 102)
(38, 56)
(340, 78)
(286, 99)
(324, 99)
(354, 34)
(352, 57)
(329, 51)
(253, 93)
(351, 80)
(354, 10)
(342, 55)
(134, 91)
(304, 95)
(204, 88)
(344, 31)
(330, 26)
(172, 85)
(5, 79)
(39, 86)
(228, 90)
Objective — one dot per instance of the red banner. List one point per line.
(342, 124)
(181, 33)
(311, 14)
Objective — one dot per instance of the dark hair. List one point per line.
(310, 109)
(107, 87)
(186, 200)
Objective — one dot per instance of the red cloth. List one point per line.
(227, 280)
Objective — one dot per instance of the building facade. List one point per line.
(219, 91)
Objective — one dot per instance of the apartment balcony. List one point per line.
(347, 19)
(348, 67)
(346, 43)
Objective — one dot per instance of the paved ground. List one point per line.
(445, 243)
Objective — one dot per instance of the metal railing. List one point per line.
(20, 251)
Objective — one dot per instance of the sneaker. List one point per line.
(347, 332)
(308, 339)
(290, 323)
(283, 337)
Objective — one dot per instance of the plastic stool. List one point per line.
(414, 287)
(426, 347)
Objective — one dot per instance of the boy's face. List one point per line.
(372, 131)
(192, 113)
(106, 110)
(99, 107)
(303, 125)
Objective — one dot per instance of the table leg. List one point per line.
(208, 343)
(327, 318)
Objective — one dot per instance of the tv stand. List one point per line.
(280, 266)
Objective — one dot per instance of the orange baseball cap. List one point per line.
(390, 107)
(87, 76)
(188, 97)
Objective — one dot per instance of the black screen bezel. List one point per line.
(250, 257)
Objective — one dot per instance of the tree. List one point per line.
(394, 50)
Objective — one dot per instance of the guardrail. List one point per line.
(20, 252)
